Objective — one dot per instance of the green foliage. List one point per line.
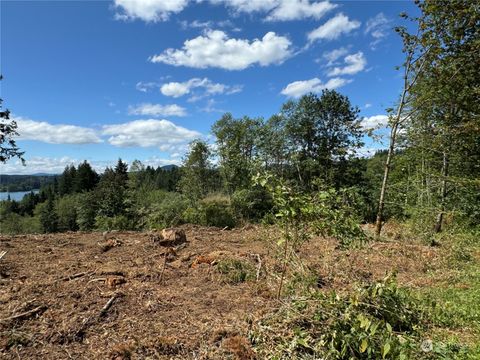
(237, 143)
(13, 224)
(301, 215)
(119, 222)
(86, 209)
(214, 210)
(251, 204)
(380, 321)
(235, 271)
(47, 215)
(8, 132)
(197, 179)
(168, 212)
(66, 208)
(111, 192)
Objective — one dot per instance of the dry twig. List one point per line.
(25, 314)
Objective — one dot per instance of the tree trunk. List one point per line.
(381, 201)
(438, 225)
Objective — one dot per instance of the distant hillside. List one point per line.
(24, 182)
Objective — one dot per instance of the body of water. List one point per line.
(15, 195)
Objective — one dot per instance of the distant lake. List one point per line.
(16, 195)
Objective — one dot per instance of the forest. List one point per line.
(301, 172)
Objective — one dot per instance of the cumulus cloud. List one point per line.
(374, 122)
(216, 49)
(208, 88)
(54, 133)
(333, 28)
(378, 27)
(156, 110)
(162, 134)
(315, 85)
(354, 63)
(148, 10)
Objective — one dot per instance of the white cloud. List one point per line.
(157, 110)
(378, 27)
(177, 89)
(354, 63)
(374, 122)
(368, 105)
(332, 56)
(300, 9)
(333, 28)
(148, 10)
(146, 86)
(248, 6)
(315, 85)
(216, 49)
(37, 164)
(280, 10)
(54, 133)
(162, 134)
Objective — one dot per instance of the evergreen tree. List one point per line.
(86, 178)
(8, 132)
(48, 216)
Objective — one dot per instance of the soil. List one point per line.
(123, 296)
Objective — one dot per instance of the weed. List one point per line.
(235, 271)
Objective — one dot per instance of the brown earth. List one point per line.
(122, 296)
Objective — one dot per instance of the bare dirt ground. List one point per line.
(69, 296)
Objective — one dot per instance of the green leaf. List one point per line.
(389, 327)
(386, 350)
(363, 345)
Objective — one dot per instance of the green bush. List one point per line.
(218, 211)
(16, 224)
(235, 271)
(214, 210)
(119, 222)
(381, 321)
(169, 212)
(251, 204)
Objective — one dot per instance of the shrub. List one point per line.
(251, 204)
(376, 322)
(119, 222)
(218, 211)
(214, 210)
(169, 212)
(15, 224)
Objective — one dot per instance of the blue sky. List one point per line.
(140, 79)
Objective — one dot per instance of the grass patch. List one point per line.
(235, 271)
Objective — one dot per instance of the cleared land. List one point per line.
(81, 296)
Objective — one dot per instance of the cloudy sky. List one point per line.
(140, 79)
